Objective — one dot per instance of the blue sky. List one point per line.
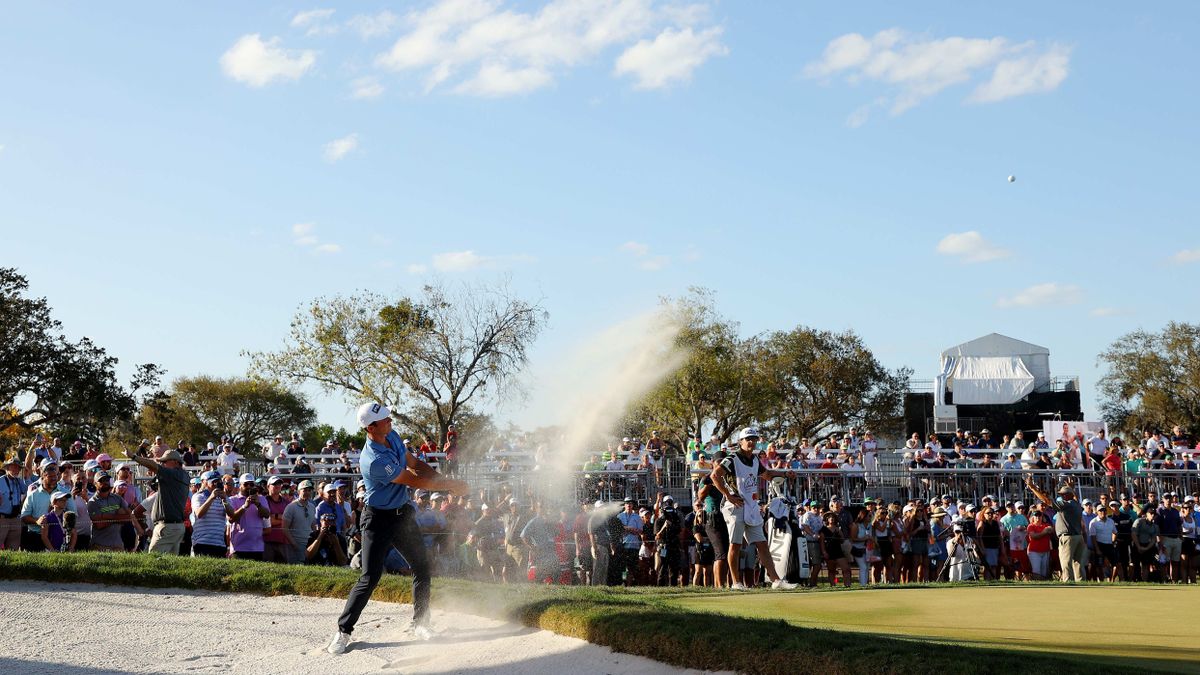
(178, 179)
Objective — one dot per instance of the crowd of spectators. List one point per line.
(62, 500)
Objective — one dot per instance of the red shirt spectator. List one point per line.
(1040, 544)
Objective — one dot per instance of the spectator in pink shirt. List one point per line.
(275, 543)
(246, 521)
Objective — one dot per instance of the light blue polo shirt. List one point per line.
(380, 464)
(37, 504)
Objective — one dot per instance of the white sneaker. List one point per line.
(423, 632)
(781, 585)
(338, 644)
(738, 587)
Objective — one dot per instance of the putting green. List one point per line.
(1147, 626)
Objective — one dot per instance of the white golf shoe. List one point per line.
(423, 632)
(339, 642)
(738, 587)
(781, 585)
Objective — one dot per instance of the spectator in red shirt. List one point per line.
(1039, 532)
(275, 543)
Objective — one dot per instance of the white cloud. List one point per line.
(654, 263)
(637, 248)
(1044, 295)
(482, 47)
(1181, 258)
(1032, 74)
(466, 261)
(373, 25)
(971, 247)
(257, 63)
(304, 235)
(338, 148)
(670, 57)
(314, 21)
(645, 261)
(365, 88)
(916, 67)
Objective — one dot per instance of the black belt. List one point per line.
(164, 521)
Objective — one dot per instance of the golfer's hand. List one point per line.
(736, 500)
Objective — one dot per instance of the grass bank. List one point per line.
(675, 627)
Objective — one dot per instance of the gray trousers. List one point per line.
(599, 565)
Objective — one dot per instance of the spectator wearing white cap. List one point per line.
(299, 521)
(56, 524)
(37, 504)
(249, 512)
(275, 543)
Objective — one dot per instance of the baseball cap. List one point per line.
(197, 480)
(1087, 502)
(370, 413)
(58, 494)
(46, 463)
(304, 484)
(212, 446)
(91, 465)
(102, 475)
(627, 500)
(958, 528)
(748, 432)
(273, 480)
(12, 460)
(104, 457)
(339, 484)
(1018, 504)
(327, 489)
(171, 455)
(247, 478)
(438, 495)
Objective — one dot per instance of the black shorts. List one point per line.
(1109, 551)
(1189, 546)
(884, 546)
(718, 535)
(707, 555)
(1122, 552)
(1147, 557)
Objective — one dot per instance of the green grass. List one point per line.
(829, 632)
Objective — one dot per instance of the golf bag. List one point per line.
(787, 546)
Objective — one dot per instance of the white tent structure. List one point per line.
(992, 370)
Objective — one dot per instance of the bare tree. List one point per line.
(426, 357)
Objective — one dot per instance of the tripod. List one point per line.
(971, 569)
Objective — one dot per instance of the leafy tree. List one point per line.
(47, 380)
(1153, 379)
(248, 409)
(314, 437)
(719, 383)
(822, 380)
(427, 357)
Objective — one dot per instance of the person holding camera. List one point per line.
(324, 545)
(389, 520)
(12, 494)
(210, 511)
(37, 504)
(249, 508)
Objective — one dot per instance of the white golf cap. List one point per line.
(369, 413)
(247, 478)
(749, 432)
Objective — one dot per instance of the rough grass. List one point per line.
(673, 626)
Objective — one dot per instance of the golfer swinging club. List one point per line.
(388, 519)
